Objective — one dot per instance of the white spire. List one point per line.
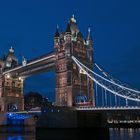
(89, 34)
(89, 30)
(73, 19)
(11, 50)
(24, 61)
(73, 16)
(57, 26)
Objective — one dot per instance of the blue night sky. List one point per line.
(29, 26)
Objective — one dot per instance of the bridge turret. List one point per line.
(11, 86)
(73, 25)
(24, 61)
(70, 84)
(11, 61)
(67, 39)
(89, 38)
(90, 46)
(56, 38)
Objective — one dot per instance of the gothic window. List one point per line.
(57, 68)
(88, 54)
(61, 40)
(13, 84)
(63, 81)
(69, 78)
(58, 49)
(62, 66)
(74, 66)
(76, 82)
(7, 83)
(65, 66)
(63, 48)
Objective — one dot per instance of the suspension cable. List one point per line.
(123, 87)
(103, 86)
(111, 78)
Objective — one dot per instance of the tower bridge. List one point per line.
(71, 86)
(76, 82)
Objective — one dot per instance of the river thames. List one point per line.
(115, 134)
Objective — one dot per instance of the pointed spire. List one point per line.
(24, 61)
(89, 30)
(57, 31)
(68, 28)
(73, 19)
(89, 34)
(11, 50)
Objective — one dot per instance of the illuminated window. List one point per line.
(74, 66)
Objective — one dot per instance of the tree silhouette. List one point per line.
(32, 100)
(35, 99)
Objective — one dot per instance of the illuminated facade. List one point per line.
(72, 87)
(11, 87)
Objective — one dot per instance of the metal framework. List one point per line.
(110, 85)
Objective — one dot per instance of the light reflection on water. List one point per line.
(115, 134)
(7, 136)
(124, 134)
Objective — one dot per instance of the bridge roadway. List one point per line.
(87, 108)
(117, 116)
(108, 108)
(132, 111)
(23, 114)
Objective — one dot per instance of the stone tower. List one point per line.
(11, 86)
(72, 87)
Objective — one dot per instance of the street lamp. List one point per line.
(8, 76)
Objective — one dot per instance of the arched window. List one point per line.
(13, 84)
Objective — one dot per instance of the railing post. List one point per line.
(105, 98)
(115, 100)
(96, 94)
(102, 98)
(126, 102)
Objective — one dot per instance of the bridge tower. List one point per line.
(11, 86)
(73, 87)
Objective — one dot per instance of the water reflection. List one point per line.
(115, 134)
(17, 137)
(124, 134)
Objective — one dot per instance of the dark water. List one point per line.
(115, 134)
(17, 136)
(125, 134)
